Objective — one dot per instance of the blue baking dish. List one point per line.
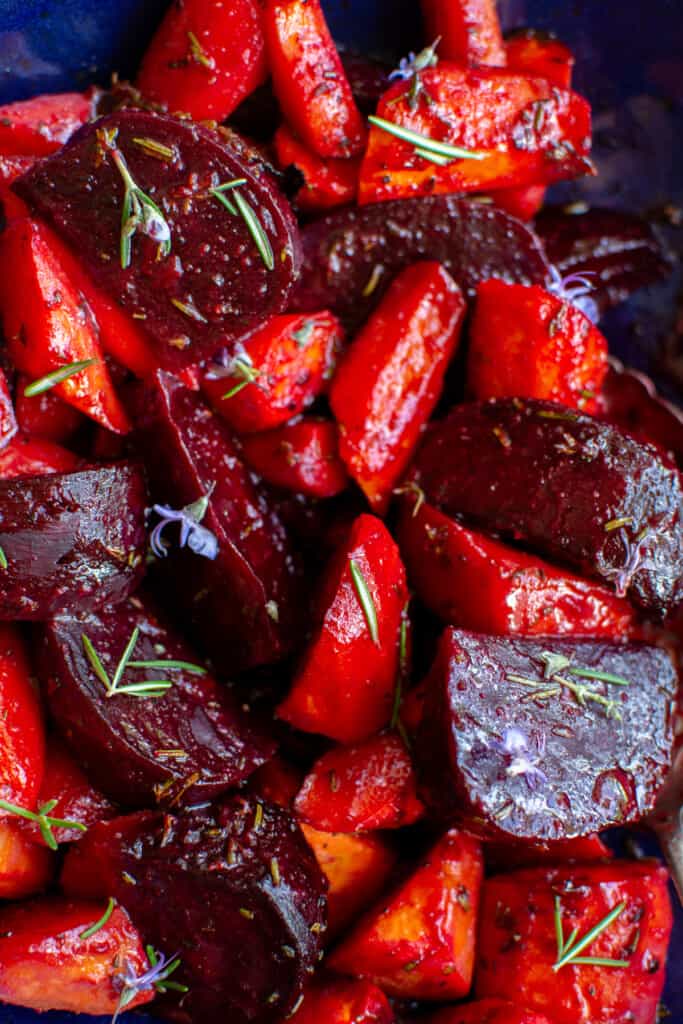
(629, 64)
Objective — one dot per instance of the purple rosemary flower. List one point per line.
(160, 969)
(410, 67)
(635, 559)
(520, 758)
(576, 289)
(192, 534)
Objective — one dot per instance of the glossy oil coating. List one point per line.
(510, 751)
(190, 744)
(572, 488)
(233, 889)
(72, 540)
(214, 269)
(351, 256)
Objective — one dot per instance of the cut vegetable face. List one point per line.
(187, 313)
(165, 732)
(71, 540)
(507, 720)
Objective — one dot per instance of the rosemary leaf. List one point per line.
(101, 922)
(256, 230)
(429, 147)
(365, 599)
(50, 380)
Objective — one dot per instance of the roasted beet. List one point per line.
(573, 488)
(241, 605)
(351, 256)
(537, 740)
(631, 402)
(618, 251)
(71, 540)
(247, 909)
(213, 283)
(189, 744)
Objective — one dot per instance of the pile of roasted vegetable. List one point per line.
(340, 571)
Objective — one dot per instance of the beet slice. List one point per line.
(619, 252)
(507, 748)
(71, 540)
(573, 488)
(233, 889)
(630, 401)
(213, 285)
(351, 256)
(242, 607)
(190, 744)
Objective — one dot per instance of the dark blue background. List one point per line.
(630, 64)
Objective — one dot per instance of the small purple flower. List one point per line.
(520, 758)
(413, 64)
(636, 559)
(192, 534)
(576, 289)
(132, 984)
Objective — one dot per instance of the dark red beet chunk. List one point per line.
(243, 605)
(235, 890)
(214, 270)
(72, 540)
(630, 401)
(618, 251)
(190, 744)
(351, 256)
(571, 487)
(507, 747)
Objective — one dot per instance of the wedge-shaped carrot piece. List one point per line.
(277, 373)
(339, 1001)
(477, 582)
(480, 129)
(420, 943)
(359, 788)
(468, 30)
(42, 124)
(390, 380)
(327, 183)
(25, 868)
(345, 684)
(302, 457)
(46, 964)
(525, 341)
(309, 79)
(48, 327)
(537, 53)
(532, 941)
(205, 57)
(22, 734)
(29, 456)
(76, 798)
(488, 1011)
(356, 867)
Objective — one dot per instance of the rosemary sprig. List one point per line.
(101, 922)
(50, 380)
(139, 212)
(156, 976)
(440, 153)
(44, 822)
(395, 721)
(242, 367)
(552, 683)
(365, 600)
(146, 688)
(568, 950)
(555, 663)
(241, 208)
